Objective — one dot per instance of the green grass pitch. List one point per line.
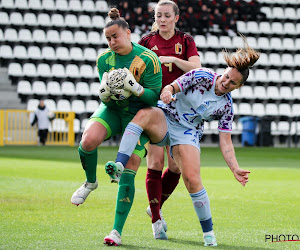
(36, 184)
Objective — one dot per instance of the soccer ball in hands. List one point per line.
(115, 81)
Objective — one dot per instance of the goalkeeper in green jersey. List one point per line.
(125, 67)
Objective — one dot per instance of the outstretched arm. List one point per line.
(227, 150)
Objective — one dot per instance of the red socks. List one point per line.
(169, 183)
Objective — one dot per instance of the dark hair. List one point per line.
(115, 18)
(242, 59)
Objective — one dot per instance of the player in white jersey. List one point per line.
(201, 95)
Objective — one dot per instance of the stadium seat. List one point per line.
(263, 43)
(296, 93)
(220, 59)
(91, 106)
(246, 92)
(4, 18)
(1, 35)
(284, 109)
(76, 126)
(258, 109)
(245, 109)
(58, 71)
(48, 53)
(83, 123)
(211, 58)
(135, 37)
(57, 20)
(53, 88)
(11, 35)
(252, 42)
(236, 94)
(24, 88)
(39, 88)
(267, 10)
(213, 42)
(82, 89)
(16, 19)
(30, 19)
(63, 105)
(80, 37)
(241, 27)
(86, 71)
(295, 128)
(278, 13)
(78, 106)
(273, 93)
(76, 54)
(271, 109)
(277, 28)
(251, 77)
(59, 125)
(53, 37)
(89, 6)
(296, 60)
(6, 52)
(98, 22)
(94, 89)
(259, 92)
(287, 60)
(68, 89)
(25, 35)
(252, 27)
(290, 13)
(289, 28)
(296, 76)
(286, 75)
(94, 38)
(213, 127)
(44, 20)
(66, 36)
(48, 5)
(72, 71)
(85, 21)
(71, 21)
(296, 110)
(50, 104)
(62, 53)
(29, 70)
(34, 52)
(274, 75)
(21, 5)
(235, 109)
(275, 43)
(32, 104)
(237, 42)
(261, 75)
(75, 5)
(20, 52)
(39, 36)
(283, 127)
(44, 70)
(100, 6)
(90, 54)
(34, 4)
(286, 93)
(265, 28)
(15, 70)
(200, 41)
(225, 42)
(288, 44)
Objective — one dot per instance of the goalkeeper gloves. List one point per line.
(131, 84)
(104, 90)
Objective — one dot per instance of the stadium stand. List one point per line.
(49, 48)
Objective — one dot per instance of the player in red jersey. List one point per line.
(178, 54)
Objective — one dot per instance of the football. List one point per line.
(115, 81)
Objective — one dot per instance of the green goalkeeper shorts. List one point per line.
(115, 122)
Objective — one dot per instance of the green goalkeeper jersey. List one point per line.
(146, 69)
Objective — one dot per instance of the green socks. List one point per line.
(124, 199)
(89, 163)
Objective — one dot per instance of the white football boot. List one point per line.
(210, 241)
(114, 170)
(82, 193)
(113, 239)
(158, 231)
(161, 217)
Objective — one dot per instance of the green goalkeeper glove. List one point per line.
(104, 90)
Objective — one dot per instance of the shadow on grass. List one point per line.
(224, 246)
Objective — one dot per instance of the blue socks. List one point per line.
(202, 208)
(128, 143)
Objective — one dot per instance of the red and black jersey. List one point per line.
(181, 45)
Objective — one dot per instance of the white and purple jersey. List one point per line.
(197, 102)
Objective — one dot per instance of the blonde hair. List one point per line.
(162, 3)
(242, 59)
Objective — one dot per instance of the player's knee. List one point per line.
(88, 143)
(142, 115)
(192, 183)
(156, 164)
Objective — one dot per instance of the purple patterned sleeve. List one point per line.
(225, 122)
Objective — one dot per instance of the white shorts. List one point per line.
(178, 134)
